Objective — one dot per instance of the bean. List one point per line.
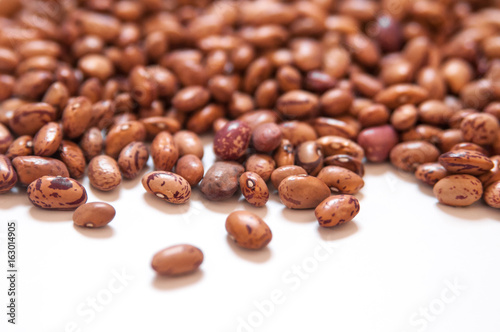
(30, 168)
(341, 180)
(91, 143)
(309, 156)
(188, 142)
(302, 192)
(93, 215)
(96, 65)
(190, 168)
(333, 145)
(104, 173)
(177, 260)
(248, 230)
(318, 81)
(465, 162)
(201, 121)
(334, 127)
(492, 195)
(168, 186)
(378, 142)
(285, 154)
(33, 84)
(479, 128)
(297, 132)
(47, 139)
(430, 173)
(493, 175)
(401, 94)
(6, 138)
(297, 104)
(261, 164)
(289, 78)
(349, 162)
(239, 104)
(231, 142)
(266, 137)
(404, 117)
(76, 117)
(72, 156)
(56, 193)
(21, 146)
(409, 155)
(29, 118)
(336, 102)
(283, 172)
(8, 176)
(222, 88)
(458, 190)
(336, 210)
(191, 98)
(254, 189)
(121, 135)
(221, 180)
(156, 124)
(132, 159)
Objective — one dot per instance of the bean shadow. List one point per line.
(254, 256)
(299, 216)
(338, 232)
(106, 196)
(132, 183)
(425, 189)
(16, 196)
(165, 283)
(50, 215)
(227, 206)
(260, 211)
(96, 233)
(474, 212)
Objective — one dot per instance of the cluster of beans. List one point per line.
(298, 93)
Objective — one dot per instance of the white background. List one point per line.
(399, 256)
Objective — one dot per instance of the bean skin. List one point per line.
(177, 260)
(56, 193)
(254, 189)
(8, 176)
(302, 192)
(248, 230)
(337, 210)
(93, 215)
(458, 190)
(167, 186)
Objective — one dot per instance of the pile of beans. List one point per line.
(298, 93)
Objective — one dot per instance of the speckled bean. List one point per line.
(190, 168)
(341, 180)
(72, 156)
(221, 180)
(285, 154)
(132, 159)
(458, 190)
(465, 162)
(248, 230)
(231, 142)
(336, 210)
(168, 186)
(302, 192)
(47, 139)
(430, 173)
(104, 173)
(164, 151)
(76, 116)
(261, 164)
(93, 215)
(254, 189)
(122, 134)
(349, 162)
(283, 172)
(408, 155)
(309, 156)
(92, 143)
(492, 195)
(57, 193)
(8, 176)
(21, 146)
(30, 168)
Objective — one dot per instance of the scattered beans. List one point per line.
(177, 260)
(93, 215)
(337, 210)
(168, 186)
(248, 230)
(104, 173)
(254, 188)
(458, 190)
(302, 192)
(56, 193)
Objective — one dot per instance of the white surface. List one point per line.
(399, 255)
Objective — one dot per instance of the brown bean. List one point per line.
(400, 94)
(177, 260)
(477, 94)
(309, 156)
(93, 215)
(448, 139)
(289, 78)
(121, 135)
(104, 173)
(266, 137)
(47, 139)
(190, 168)
(96, 65)
(91, 143)
(33, 84)
(56, 193)
(297, 132)
(222, 87)
(168, 186)
(364, 50)
(248, 230)
(239, 104)
(479, 128)
(76, 117)
(465, 162)
(409, 155)
(201, 121)
(336, 62)
(318, 81)
(306, 53)
(336, 102)
(434, 112)
(29, 118)
(8, 176)
(332, 145)
(156, 124)
(404, 117)
(144, 89)
(57, 96)
(261, 164)
(166, 82)
(493, 175)
(365, 84)
(254, 189)
(221, 180)
(283, 172)
(341, 180)
(349, 162)
(232, 140)
(457, 73)
(30, 168)
(373, 115)
(72, 156)
(302, 192)
(431, 80)
(164, 151)
(378, 142)
(396, 69)
(337, 210)
(21, 146)
(468, 146)
(191, 98)
(297, 104)
(492, 195)
(335, 127)
(6, 86)
(132, 159)
(257, 72)
(188, 142)
(284, 154)
(6, 138)
(430, 173)
(458, 190)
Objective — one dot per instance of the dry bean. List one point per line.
(309, 156)
(156, 124)
(248, 230)
(56, 193)
(341, 180)
(164, 151)
(378, 142)
(104, 173)
(302, 192)
(261, 164)
(404, 117)
(336, 102)
(191, 98)
(47, 139)
(29, 118)
(177, 260)
(266, 137)
(30, 168)
(254, 189)
(479, 128)
(72, 156)
(409, 155)
(448, 139)
(122, 134)
(297, 132)
(334, 127)
(283, 172)
(76, 117)
(458, 190)
(21, 146)
(465, 162)
(93, 215)
(337, 210)
(168, 186)
(256, 118)
(349, 162)
(188, 142)
(332, 145)
(430, 173)
(239, 104)
(91, 143)
(132, 159)
(492, 195)
(231, 141)
(221, 180)
(285, 154)
(297, 104)
(400, 94)
(190, 168)
(8, 176)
